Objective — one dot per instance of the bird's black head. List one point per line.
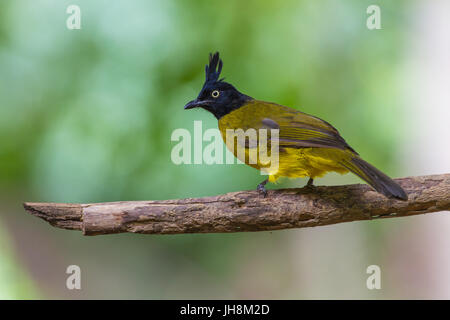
(217, 96)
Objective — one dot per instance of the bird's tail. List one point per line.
(377, 179)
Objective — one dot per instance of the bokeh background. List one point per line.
(86, 116)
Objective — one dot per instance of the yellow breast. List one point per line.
(292, 162)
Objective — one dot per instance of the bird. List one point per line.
(307, 145)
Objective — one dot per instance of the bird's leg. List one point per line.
(310, 182)
(261, 188)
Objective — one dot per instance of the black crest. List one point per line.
(212, 70)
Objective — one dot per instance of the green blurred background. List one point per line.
(86, 116)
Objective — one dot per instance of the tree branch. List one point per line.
(248, 211)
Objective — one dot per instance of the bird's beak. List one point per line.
(193, 104)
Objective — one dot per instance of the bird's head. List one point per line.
(217, 96)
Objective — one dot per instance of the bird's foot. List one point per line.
(309, 184)
(261, 188)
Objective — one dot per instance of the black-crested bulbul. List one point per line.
(308, 146)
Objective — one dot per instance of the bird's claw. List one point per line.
(262, 190)
(310, 185)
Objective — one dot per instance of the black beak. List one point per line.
(193, 104)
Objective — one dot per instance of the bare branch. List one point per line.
(249, 211)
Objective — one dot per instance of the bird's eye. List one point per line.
(215, 94)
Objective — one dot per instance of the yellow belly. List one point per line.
(309, 162)
(294, 162)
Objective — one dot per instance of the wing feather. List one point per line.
(301, 130)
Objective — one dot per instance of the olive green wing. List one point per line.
(298, 129)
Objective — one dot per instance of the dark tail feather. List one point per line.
(377, 179)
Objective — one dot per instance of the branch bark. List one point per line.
(248, 211)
